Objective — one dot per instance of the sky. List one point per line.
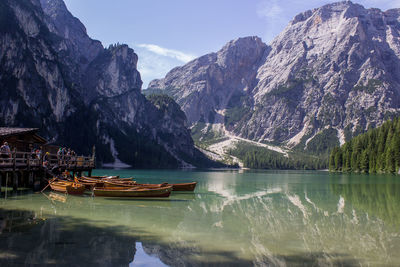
(170, 33)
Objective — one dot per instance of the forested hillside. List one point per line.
(377, 151)
(333, 71)
(256, 157)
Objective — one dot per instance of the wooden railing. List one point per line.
(26, 160)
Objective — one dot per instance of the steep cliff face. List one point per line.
(53, 76)
(332, 67)
(204, 86)
(338, 67)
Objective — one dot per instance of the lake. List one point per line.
(234, 218)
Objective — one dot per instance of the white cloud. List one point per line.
(269, 10)
(183, 57)
(274, 14)
(155, 61)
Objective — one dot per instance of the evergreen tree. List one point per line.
(364, 162)
(378, 150)
(332, 162)
(338, 160)
(390, 162)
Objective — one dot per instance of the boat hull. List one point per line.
(68, 188)
(133, 192)
(184, 186)
(175, 187)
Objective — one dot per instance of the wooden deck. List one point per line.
(20, 161)
(25, 168)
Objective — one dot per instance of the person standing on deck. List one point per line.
(64, 154)
(60, 155)
(38, 153)
(5, 151)
(46, 159)
(33, 153)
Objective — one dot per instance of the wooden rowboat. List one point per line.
(102, 177)
(175, 187)
(164, 191)
(105, 179)
(89, 185)
(68, 187)
(128, 182)
(130, 179)
(184, 186)
(110, 183)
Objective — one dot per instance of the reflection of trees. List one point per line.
(177, 255)
(380, 200)
(26, 240)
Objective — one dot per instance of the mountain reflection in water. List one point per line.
(376, 199)
(27, 239)
(232, 219)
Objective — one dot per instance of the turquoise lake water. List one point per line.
(234, 218)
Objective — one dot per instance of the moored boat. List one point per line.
(103, 177)
(108, 178)
(164, 191)
(109, 184)
(128, 182)
(184, 186)
(89, 184)
(175, 187)
(112, 183)
(68, 187)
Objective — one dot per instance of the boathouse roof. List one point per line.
(10, 131)
(5, 131)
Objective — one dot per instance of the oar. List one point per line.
(47, 185)
(48, 198)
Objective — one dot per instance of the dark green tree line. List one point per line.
(377, 151)
(261, 158)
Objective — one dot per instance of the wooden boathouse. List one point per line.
(23, 168)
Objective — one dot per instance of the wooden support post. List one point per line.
(90, 173)
(28, 162)
(14, 159)
(30, 179)
(1, 181)
(41, 161)
(6, 184)
(24, 177)
(15, 181)
(36, 182)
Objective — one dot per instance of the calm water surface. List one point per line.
(234, 218)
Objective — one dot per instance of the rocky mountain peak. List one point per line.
(329, 53)
(113, 72)
(334, 67)
(221, 75)
(54, 77)
(246, 50)
(124, 53)
(75, 43)
(62, 18)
